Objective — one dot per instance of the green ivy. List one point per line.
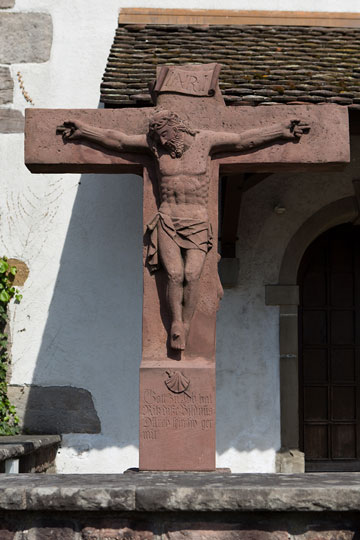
(9, 422)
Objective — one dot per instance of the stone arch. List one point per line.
(286, 295)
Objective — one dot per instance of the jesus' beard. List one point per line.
(176, 146)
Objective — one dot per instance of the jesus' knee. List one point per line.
(192, 275)
(175, 276)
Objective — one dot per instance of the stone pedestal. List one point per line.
(177, 416)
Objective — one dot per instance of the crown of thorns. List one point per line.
(163, 118)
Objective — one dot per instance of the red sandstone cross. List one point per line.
(179, 148)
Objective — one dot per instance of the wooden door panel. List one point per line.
(343, 367)
(343, 441)
(342, 290)
(316, 403)
(314, 328)
(314, 291)
(342, 327)
(316, 441)
(343, 403)
(315, 365)
(329, 346)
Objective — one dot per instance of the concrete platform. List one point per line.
(179, 506)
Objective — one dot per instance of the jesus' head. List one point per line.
(167, 129)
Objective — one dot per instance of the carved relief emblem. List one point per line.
(177, 382)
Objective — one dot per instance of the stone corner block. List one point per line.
(25, 37)
(276, 295)
(4, 4)
(290, 461)
(6, 86)
(11, 121)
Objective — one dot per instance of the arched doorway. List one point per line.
(329, 347)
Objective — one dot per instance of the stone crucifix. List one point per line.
(179, 147)
(181, 233)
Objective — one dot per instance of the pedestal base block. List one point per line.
(177, 416)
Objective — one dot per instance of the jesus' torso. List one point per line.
(184, 181)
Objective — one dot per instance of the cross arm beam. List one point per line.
(325, 147)
(46, 151)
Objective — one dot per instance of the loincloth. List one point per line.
(187, 233)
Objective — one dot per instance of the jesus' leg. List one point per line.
(194, 262)
(172, 261)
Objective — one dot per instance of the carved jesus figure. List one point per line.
(180, 231)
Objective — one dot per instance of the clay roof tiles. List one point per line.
(261, 64)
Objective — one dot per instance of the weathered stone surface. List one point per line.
(7, 4)
(56, 532)
(5, 532)
(25, 37)
(118, 531)
(337, 534)
(22, 272)
(196, 492)
(55, 409)
(203, 531)
(290, 461)
(11, 121)
(41, 461)
(14, 447)
(160, 446)
(6, 86)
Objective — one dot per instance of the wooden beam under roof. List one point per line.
(233, 17)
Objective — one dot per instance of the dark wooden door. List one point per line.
(329, 346)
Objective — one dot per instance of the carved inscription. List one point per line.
(169, 411)
(185, 80)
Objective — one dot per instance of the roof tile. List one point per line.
(261, 64)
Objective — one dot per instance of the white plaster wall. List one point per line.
(79, 322)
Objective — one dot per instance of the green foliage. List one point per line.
(9, 422)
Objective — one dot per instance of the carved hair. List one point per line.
(166, 118)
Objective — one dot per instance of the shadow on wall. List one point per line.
(92, 338)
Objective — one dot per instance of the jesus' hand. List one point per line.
(71, 130)
(295, 129)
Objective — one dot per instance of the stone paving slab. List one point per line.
(154, 492)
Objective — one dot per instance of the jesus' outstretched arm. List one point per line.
(253, 138)
(74, 130)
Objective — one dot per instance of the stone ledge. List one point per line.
(182, 492)
(14, 447)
